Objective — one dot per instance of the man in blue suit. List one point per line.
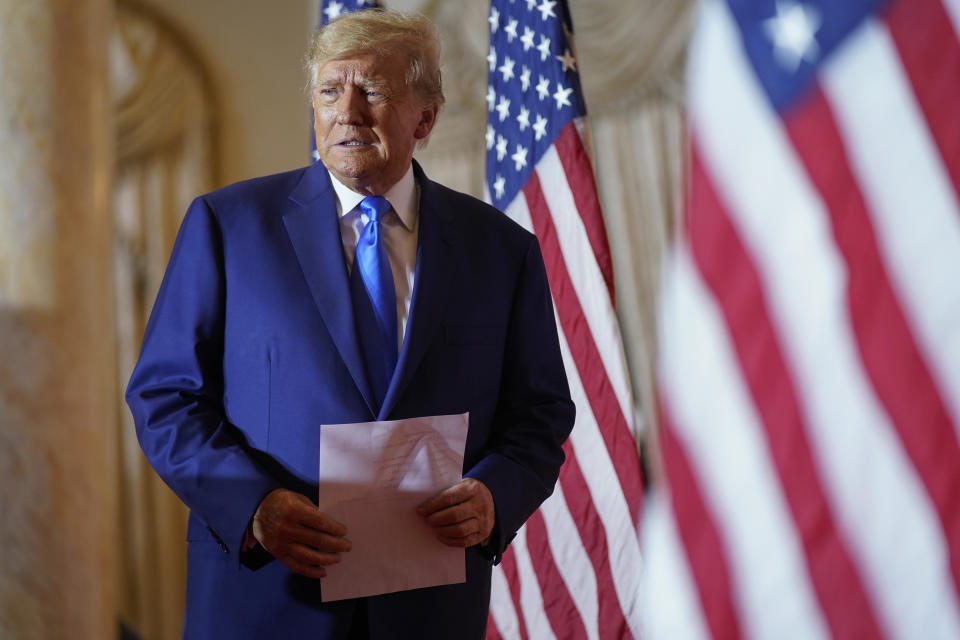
(352, 290)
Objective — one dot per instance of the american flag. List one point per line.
(331, 10)
(573, 570)
(809, 367)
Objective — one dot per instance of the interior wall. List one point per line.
(254, 50)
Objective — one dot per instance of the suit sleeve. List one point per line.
(534, 412)
(176, 390)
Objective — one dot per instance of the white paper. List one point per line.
(372, 477)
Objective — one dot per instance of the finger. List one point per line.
(284, 507)
(452, 515)
(466, 541)
(320, 521)
(460, 492)
(321, 541)
(460, 529)
(303, 554)
(303, 568)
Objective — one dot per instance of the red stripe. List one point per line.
(612, 622)
(493, 633)
(561, 612)
(700, 536)
(508, 563)
(728, 271)
(890, 354)
(930, 53)
(603, 400)
(577, 167)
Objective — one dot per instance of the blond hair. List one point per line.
(385, 33)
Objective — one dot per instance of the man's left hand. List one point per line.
(462, 515)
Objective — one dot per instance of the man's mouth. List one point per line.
(353, 143)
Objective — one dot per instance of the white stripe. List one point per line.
(531, 600)
(519, 212)
(909, 193)
(501, 606)
(571, 559)
(953, 10)
(623, 543)
(585, 274)
(715, 420)
(671, 605)
(881, 506)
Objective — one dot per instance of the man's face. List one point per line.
(367, 121)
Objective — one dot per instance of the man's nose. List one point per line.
(351, 108)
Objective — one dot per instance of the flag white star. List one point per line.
(546, 9)
(527, 38)
(501, 148)
(543, 87)
(523, 119)
(511, 30)
(507, 69)
(491, 98)
(363, 3)
(315, 154)
(531, 5)
(499, 186)
(792, 32)
(333, 11)
(503, 108)
(519, 158)
(544, 48)
(540, 127)
(492, 58)
(568, 61)
(562, 96)
(494, 19)
(491, 136)
(524, 77)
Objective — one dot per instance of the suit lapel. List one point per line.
(315, 234)
(431, 283)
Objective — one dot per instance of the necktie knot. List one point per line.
(375, 207)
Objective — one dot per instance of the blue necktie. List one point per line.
(373, 266)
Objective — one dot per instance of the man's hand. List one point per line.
(298, 534)
(462, 515)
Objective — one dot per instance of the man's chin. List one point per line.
(358, 179)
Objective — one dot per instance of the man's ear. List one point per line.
(428, 118)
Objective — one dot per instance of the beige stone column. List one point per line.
(57, 380)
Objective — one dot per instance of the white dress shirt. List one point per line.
(400, 237)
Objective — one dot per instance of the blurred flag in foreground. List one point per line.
(574, 570)
(331, 10)
(809, 367)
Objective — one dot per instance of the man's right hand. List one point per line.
(298, 534)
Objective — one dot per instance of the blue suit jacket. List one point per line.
(251, 347)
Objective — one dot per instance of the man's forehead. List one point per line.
(363, 67)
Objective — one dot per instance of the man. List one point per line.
(271, 322)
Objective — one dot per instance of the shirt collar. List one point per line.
(402, 197)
